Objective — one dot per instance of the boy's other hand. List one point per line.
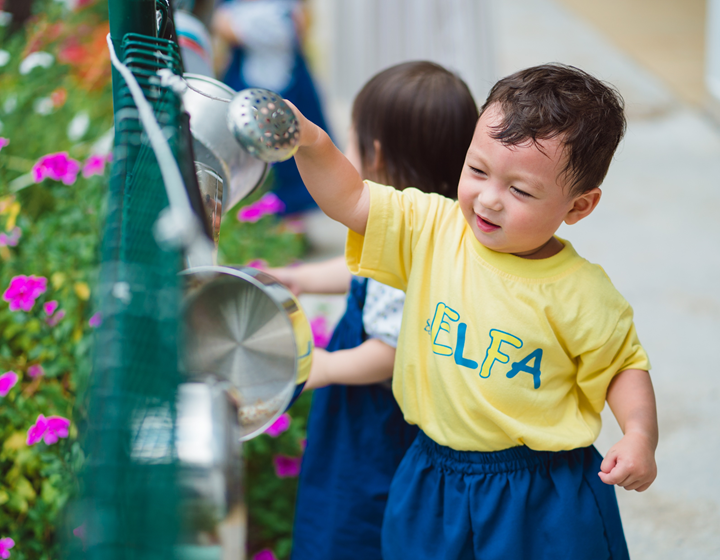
(630, 463)
(288, 277)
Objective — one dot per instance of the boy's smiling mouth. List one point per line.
(486, 225)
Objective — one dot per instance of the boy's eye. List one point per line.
(476, 170)
(520, 193)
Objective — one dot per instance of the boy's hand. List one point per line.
(318, 370)
(287, 276)
(308, 129)
(630, 463)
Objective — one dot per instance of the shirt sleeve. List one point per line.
(396, 221)
(382, 312)
(598, 367)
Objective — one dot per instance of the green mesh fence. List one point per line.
(129, 498)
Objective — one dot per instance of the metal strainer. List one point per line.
(263, 124)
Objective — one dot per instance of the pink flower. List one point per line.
(49, 429)
(35, 370)
(265, 554)
(279, 426)
(55, 319)
(286, 467)
(5, 545)
(258, 263)
(23, 291)
(321, 332)
(50, 307)
(12, 239)
(7, 382)
(267, 205)
(96, 320)
(58, 167)
(3, 142)
(94, 165)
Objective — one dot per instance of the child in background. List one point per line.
(511, 342)
(266, 37)
(411, 125)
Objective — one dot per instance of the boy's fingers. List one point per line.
(608, 462)
(618, 475)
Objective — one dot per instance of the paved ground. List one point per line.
(657, 234)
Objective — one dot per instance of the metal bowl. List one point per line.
(214, 145)
(244, 327)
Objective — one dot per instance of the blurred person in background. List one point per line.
(266, 36)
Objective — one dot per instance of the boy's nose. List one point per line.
(490, 198)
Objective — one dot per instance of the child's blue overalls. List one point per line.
(356, 439)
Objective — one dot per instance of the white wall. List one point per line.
(355, 39)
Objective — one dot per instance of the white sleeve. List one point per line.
(382, 313)
(263, 24)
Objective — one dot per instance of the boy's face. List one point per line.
(513, 197)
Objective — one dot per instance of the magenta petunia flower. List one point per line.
(55, 319)
(12, 239)
(5, 545)
(3, 142)
(7, 382)
(58, 167)
(49, 429)
(267, 205)
(265, 554)
(94, 165)
(320, 331)
(279, 426)
(50, 307)
(23, 291)
(35, 370)
(286, 467)
(258, 263)
(96, 320)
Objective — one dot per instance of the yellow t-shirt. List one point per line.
(495, 350)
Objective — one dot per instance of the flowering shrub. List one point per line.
(55, 115)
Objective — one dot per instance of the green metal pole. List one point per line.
(129, 16)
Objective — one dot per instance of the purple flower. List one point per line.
(56, 166)
(94, 165)
(267, 205)
(7, 382)
(3, 142)
(265, 554)
(23, 291)
(55, 319)
(50, 307)
(5, 545)
(49, 429)
(320, 331)
(12, 239)
(286, 467)
(35, 370)
(279, 426)
(96, 320)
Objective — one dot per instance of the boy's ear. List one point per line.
(583, 205)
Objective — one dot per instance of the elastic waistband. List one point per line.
(507, 460)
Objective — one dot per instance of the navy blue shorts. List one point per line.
(515, 504)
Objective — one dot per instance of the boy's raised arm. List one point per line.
(330, 178)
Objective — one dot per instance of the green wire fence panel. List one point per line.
(129, 497)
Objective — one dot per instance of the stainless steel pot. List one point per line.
(245, 328)
(213, 143)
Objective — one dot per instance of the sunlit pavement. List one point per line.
(657, 234)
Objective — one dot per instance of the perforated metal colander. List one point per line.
(263, 124)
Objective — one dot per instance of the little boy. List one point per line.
(511, 343)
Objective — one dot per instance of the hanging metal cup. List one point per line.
(214, 145)
(245, 328)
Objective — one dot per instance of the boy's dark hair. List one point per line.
(555, 100)
(424, 117)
